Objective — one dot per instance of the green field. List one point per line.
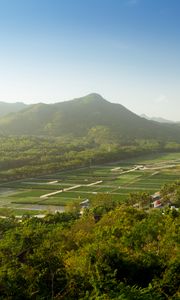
(117, 179)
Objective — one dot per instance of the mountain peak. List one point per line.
(90, 98)
(95, 95)
(80, 115)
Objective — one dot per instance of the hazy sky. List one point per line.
(126, 50)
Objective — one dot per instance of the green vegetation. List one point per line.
(131, 176)
(114, 250)
(23, 157)
(126, 253)
(7, 212)
(79, 133)
(88, 149)
(90, 116)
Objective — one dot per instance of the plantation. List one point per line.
(147, 174)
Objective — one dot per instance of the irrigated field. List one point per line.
(118, 179)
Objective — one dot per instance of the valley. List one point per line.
(89, 150)
(79, 185)
(58, 191)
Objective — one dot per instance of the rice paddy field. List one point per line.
(56, 191)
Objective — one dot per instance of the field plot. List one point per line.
(117, 179)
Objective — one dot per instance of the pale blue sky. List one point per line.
(126, 50)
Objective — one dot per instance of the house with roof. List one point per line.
(157, 202)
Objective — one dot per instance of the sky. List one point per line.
(126, 50)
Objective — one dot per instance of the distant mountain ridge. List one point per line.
(77, 117)
(157, 119)
(7, 108)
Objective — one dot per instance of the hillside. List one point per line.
(126, 253)
(78, 116)
(6, 108)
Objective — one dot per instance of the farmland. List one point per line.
(56, 191)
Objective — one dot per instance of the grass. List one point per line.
(30, 193)
(20, 212)
(115, 183)
(60, 202)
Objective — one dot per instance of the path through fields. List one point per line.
(60, 191)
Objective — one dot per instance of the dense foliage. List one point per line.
(31, 156)
(170, 193)
(127, 254)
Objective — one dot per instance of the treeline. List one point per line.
(32, 156)
(125, 253)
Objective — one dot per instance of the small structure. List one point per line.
(84, 205)
(139, 167)
(156, 196)
(157, 204)
(174, 207)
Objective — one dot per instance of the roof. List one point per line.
(85, 202)
(157, 203)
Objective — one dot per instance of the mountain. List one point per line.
(157, 119)
(6, 108)
(76, 117)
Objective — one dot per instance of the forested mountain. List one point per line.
(82, 116)
(6, 108)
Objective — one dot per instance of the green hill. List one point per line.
(6, 108)
(77, 117)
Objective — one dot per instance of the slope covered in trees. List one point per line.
(79, 116)
(128, 254)
(22, 157)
